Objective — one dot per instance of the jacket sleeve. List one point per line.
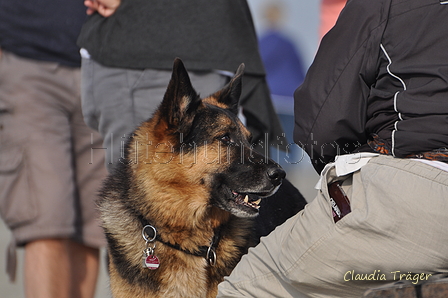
(330, 106)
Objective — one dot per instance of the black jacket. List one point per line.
(381, 71)
(206, 35)
(142, 34)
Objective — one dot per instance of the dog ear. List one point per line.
(180, 100)
(231, 93)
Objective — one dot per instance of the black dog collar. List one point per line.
(149, 233)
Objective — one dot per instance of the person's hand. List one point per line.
(106, 8)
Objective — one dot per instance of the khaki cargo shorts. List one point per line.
(50, 171)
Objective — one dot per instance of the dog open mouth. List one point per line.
(240, 201)
(249, 200)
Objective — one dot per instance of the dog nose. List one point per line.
(276, 174)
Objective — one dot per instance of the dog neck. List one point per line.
(207, 252)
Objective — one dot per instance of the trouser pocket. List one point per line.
(17, 203)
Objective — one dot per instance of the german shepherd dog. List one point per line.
(178, 215)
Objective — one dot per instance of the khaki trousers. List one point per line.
(397, 230)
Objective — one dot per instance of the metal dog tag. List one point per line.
(152, 262)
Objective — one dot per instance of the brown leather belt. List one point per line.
(379, 145)
(339, 201)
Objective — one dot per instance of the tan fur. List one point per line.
(174, 195)
(170, 185)
(179, 203)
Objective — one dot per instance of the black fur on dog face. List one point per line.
(209, 131)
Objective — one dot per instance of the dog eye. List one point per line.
(226, 139)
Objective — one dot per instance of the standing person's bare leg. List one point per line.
(47, 269)
(60, 268)
(85, 268)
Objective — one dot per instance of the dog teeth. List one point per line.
(245, 201)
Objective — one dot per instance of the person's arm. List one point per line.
(106, 8)
(330, 106)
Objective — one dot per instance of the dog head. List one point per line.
(206, 149)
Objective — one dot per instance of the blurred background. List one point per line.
(289, 36)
